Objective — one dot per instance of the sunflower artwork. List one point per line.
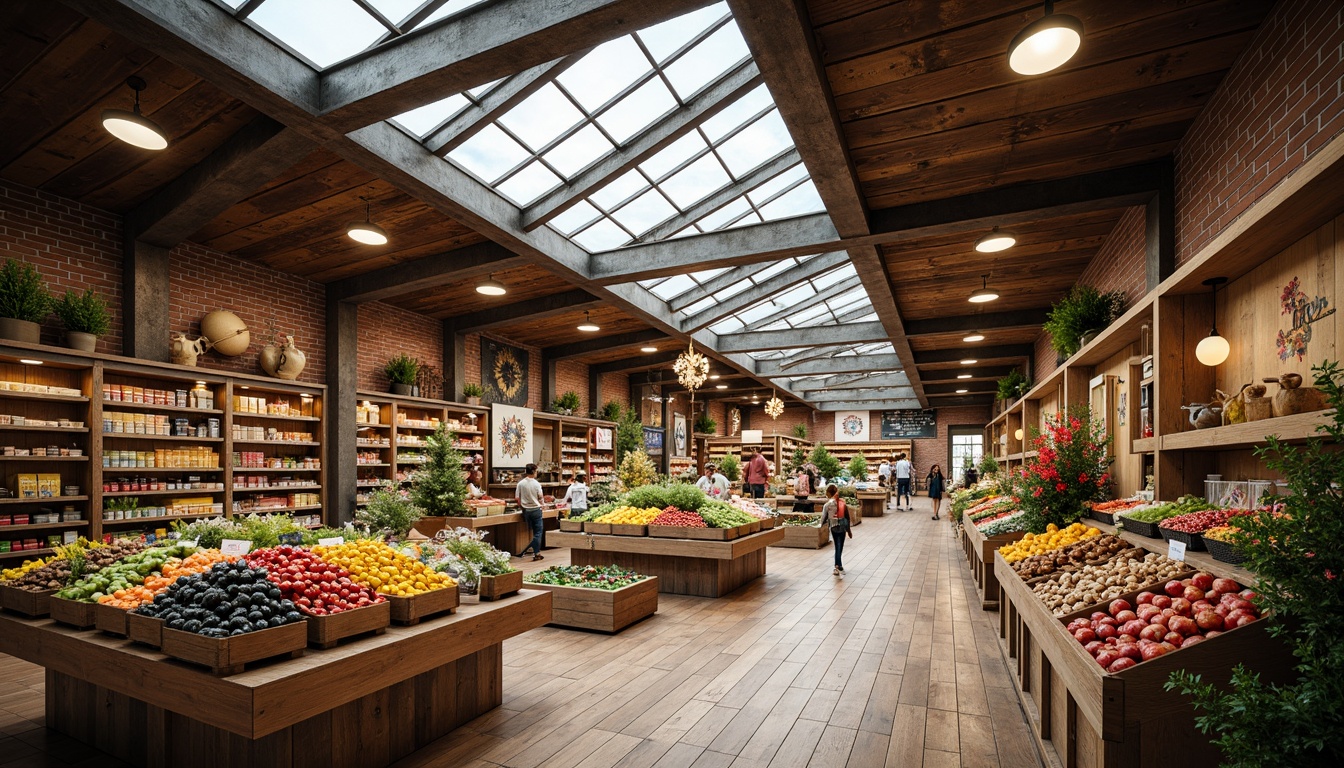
(506, 371)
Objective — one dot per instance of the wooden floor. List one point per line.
(891, 666)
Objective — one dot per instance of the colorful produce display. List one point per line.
(173, 569)
(123, 574)
(588, 576)
(229, 599)
(629, 516)
(751, 508)
(1159, 512)
(1007, 522)
(1130, 570)
(1115, 505)
(1093, 550)
(315, 587)
(1184, 613)
(375, 564)
(990, 507)
(83, 557)
(1053, 538)
(678, 518)
(718, 514)
(811, 521)
(1198, 522)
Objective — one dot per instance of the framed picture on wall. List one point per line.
(680, 441)
(511, 436)
(504, 371)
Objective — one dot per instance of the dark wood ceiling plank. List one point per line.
(408, 277)
(308, 197)
(28, 28)
(908, 22)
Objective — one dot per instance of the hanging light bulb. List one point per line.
(1045, 44)
(491, 287)
(995, 241)
(132, 127)
(984, 293)
(1213, 349)
(588, 326)
(974, 337)
(366, 231)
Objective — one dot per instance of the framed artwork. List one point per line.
(602, 438)
(511, 436)
(680, 441)
(851, 426)
(504, 370)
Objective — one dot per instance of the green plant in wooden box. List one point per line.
(1083, 310)
(85, 318)
(1294, 551)
(24, 302)
(472, 392)
(1014, 385)
(731, 467)
(825, 462)
(566, 404)
(858, 467)
(439, 486)
(1070, 468)
(390, 511)
(401, 371)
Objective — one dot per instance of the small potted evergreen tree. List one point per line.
(401, 372)
(85, 318)
(472, 392)
(24, 302)
(439, 487)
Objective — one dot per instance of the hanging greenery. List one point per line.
(1014, 385)
(1083, 310)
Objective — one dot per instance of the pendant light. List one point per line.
(1045, 44)
(588, 326)
(962, 391)
(648, 350)
(969, 361)
(974, 337)
(491, 287)
(984, 293)
(1213, 349)
(995, 241)
(366, 231)
(963, 375)
(132, 127)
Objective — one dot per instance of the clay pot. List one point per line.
(84, 342)
(1257, 405)
(185, 351)
(282, 362)
(473, 400)
(20, 330)
(1293, 398)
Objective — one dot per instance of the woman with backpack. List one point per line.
(836, 516)
(802, 488)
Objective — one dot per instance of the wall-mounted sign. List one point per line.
(851, 426)
(602, 438)
(653, 441)
(897, 425)
(1302, 311)
(680, 441)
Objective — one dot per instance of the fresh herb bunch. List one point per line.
(678, 495)
(1070, 468)
(208, 532)
(84, 312)
(826, 464)
(720, 514)
(349, 533)
(23, 295)
(1082, 310)
(268, 530)
(1299, 568)
(439, 486)
(389, 511)
(1014, 385)
(402, 369)
(478, 556)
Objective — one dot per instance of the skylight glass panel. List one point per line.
(530, 183)
(699, 306)
(834, 276)
(673, 155)
(481, 90)
(725, 214)
(732, 290)
(850, 296)
(778, 325)
(651, 283)
(618, 190)
(541, 117)
(737, 113)
(748, 220)
(795, 295)
(604, 72)
(489, 154)
(757, 143)
(448, 9)
(602, 236)
(772, 270)
(578, 151)
(574, 218)
(640, 214)
(322, 31)
(705, 275)
(727, 325)
(709, 59)
(637, 110)
(234, 3)
(806, 315)
(796, 202)
(868, 318)
(754, 313)
(664, 39)
(425, 119)
(395, 11)
(770, 188)
(673, 286)
(696, 181)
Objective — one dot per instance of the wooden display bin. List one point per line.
(110, 619)
(624, 529)
(147, 630)
(980, 552)
(804, 537)
(873, 503)
(26, 602)
(572, 526)
(1082, 715)
(598, 528)
(228, 655)
(768, 523)
(698, 534)
(604, 610)
(72, 612)
(410, 610)
(499, 587)
(327, 631)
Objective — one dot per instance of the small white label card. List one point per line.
(235, 547)
(188, 542)
(331, 542)
(1176, 550)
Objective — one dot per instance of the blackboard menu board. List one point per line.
(909, 424)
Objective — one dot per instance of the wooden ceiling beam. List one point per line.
(631, 364)
(950, 388)
(888, 380)
(1023, 318)
(541, 308)
(602, 344)
(408, 277)
(979, 353)
(976, 372)
(772, 286)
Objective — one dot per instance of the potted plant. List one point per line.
(611, 411)
(24, 302)
(705, 425)
(1080, 316)
(1014, 385)
(566, 404)
(473, 393)
(401, 371)
(858, 468)
(825, 462)
(85, 318)
(439, 487)
(800, 431)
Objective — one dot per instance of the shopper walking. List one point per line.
(834, 514)
(758, 472)
(576, 495)
(529, 498)
(802, 489)
(903, 471)
(935, 482)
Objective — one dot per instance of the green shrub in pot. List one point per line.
(1083, 310)
(24, 302)
(401, 372)
(85, 318)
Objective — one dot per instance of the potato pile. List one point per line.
(1094, 550)
(1065, 593)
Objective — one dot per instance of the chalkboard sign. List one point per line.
(910, 423)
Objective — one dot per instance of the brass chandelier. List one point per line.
(692, 369)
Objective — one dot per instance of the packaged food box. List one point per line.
(27, 486)
(48, 485)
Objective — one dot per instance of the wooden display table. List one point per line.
(683, 566)
(368, 703)
(507, 532)
(603, 610)
(874, 503)
(804, 537)
(980, 553)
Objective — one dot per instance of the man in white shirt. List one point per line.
(576, 496)
(884, 473)
(530, 498)
(705, 480)
(902, 471)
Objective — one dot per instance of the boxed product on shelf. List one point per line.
(368, 413)
(27, 486)
(259, 460)
(42, 389)
(185, 458)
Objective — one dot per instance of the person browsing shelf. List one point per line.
(576, 495)
(758, 472)
(530, 498)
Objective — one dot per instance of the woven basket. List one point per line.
(1143, 529)
(1105, 517)
(1193, 541)
(1224, 552)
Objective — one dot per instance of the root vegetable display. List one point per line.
(1096, 549)
(1064, 593)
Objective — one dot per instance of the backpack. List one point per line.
(841, 521)
(802, 486)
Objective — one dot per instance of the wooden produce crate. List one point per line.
(804, 537)
(110, 619)
(980, 552)
(768, 523)
(410, 610)
(25, 602)
(72, 612)
(1082, 715)
(228, 655)
(573, 526)
(499, 587)
(147, 630)
(599, 528)
(623, 529)
(699, 534)
(604, 610)
(327, 631)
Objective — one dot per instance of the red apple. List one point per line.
(1125, 640)
(1150, 652)
(1107, 658)
(1202, 580)
(1222, 610)
(1223, 586)
(1152, 632)
(1174, 588)
(1148, 611)
(1134, 627)
(1241, 621)
(1099, 615)
(1084, 636)
(1163, 601)
(1107, 620)
(1145, 598)
(1231, 619)
(1160, 620)
(1119, 605)
(1077, 624)
(1193, 593)
(1211, 635)
(1192, 640)
(1180, 605)
(1185, 627)
(1201, 605)
(1130, 651)
(1094, 647)
(1122, 663)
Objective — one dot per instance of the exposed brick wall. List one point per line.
(1043, 359)
(74, 246)
(613, 386)
(936, 450)
(1120, 263)
(385, 331)
(201, 280)
(572, 376)
(718, 411)
(1280, 103)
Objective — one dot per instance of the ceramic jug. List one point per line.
(185, 350)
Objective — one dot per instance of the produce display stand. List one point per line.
(146, 630)
(25, 602)
(110, 619)
(229, 655)
(683, 566)
(499, 587)
(980, 552)
(603, 610)
(364, 703)
(327, 631)
(873, 503)
(72, 612)
(804, 537)
(1081, 715)
(507, 532)
(411, 610)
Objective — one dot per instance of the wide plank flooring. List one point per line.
(894, 665)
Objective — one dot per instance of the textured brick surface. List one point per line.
(385, 331)
(572, 376)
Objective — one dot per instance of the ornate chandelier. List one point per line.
(692, 369)
(774, 407)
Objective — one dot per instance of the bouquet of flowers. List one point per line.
(1070, 469)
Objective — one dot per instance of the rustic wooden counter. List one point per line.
(683, 566)
(874, 503)
(368, 703)
(980, 553)
(507, 532)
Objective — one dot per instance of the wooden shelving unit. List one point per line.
(873, 451)
(393, 428)
(282, 423)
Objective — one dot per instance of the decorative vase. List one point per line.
(1258, 406)
(284, 362)
(401, 389)
(84, 342)
(185, 351)
(415, 390)
(227, 333)
(1087, 338)
(473, 400)
(269, 359)
(20, 330)
(1293, 398)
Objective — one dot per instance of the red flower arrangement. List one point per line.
(1070, 469)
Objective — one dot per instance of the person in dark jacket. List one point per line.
(935, 483)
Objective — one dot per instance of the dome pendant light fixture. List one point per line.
(1045, 44)
(984, 293)
(974, 337)
(491, 287)
(1213, 349)
(132, 127)
(588, 326)
(366, 231)
(995, 241)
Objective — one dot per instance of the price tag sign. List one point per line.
(331, 542)
(238, 547)
(1176, 550)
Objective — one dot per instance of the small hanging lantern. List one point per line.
(774, 407)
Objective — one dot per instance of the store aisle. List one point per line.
(890, 667)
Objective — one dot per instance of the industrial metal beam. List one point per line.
(813, 336)
(723, 196)
(1160, 229)
(772, 286)
(973, 371)
(731, 276)
(633, 363)
(602, 344)
(989, 321)
(833, 383)
(541, 308)
(708, 102)
(871, 405)
(971, 387)
(1003, 351)
(410, 276)
(826, 294)
(831, 365)
(881, 393)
